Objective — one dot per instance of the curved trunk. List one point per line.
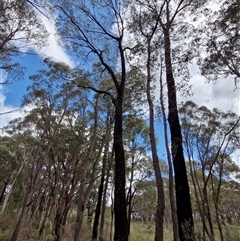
(159, 180)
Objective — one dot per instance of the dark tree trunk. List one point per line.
(121, 227)
(184, 209)
(98, 210)
(170, 169)
(99, 201)
(110, 161)
(4, 187)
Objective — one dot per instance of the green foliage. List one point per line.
(223, 43)
(19, 30)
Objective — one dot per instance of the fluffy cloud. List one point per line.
(54, 49)
(222, 95)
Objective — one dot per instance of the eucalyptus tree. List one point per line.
(20, 29)
(139, 165)
(10, 168)
(210, 137)
(168, 19)
(94, 30)
(162, 33)
(220, 41)
(50, 98)
(142, 22)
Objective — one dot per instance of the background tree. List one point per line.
(222, 43)
(20, 29)
(210, 137)
(86, 29)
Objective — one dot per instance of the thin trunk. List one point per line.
(22, 216)
(35, 172)
(82, 190)
(198, 195)
(112, 216)
(4, 187)
(130, 197)
(43, 224)
(206, 208)
(159, 180)
(99, 203)
(10, 190)
(101, 228)
(184, 209)
(100, 189)
(170, 169)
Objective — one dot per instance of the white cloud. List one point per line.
(222, 95)
(54, 49)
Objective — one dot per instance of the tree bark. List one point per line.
(120, 218)
(159, 180)
(170, 169)
(184, 209)
(110, 161)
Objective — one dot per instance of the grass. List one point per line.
(140, 231)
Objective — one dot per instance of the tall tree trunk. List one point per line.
(83, 199)
(184, 209)
(101, 186)
(38, 163)
(23, 214)
(43, 223)
(10, 189)
(121, 227)
(170, 169)
(99, 203)
(159, 180)
(110, 161)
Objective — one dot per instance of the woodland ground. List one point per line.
(140, 231)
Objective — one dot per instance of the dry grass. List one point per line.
(140, 231)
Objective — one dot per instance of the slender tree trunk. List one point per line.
(101, 228)
(38, 163)
(23, 214)
(159, 181)
(100, 195)
(82, 190)
(184, 209)
(43, 224)
(4, 187)
(198, 195)
(98, 208)
(130, 197)
(10, 189)
(170, 169)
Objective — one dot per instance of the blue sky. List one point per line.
(15, 90)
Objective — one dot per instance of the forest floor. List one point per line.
(140, 231)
